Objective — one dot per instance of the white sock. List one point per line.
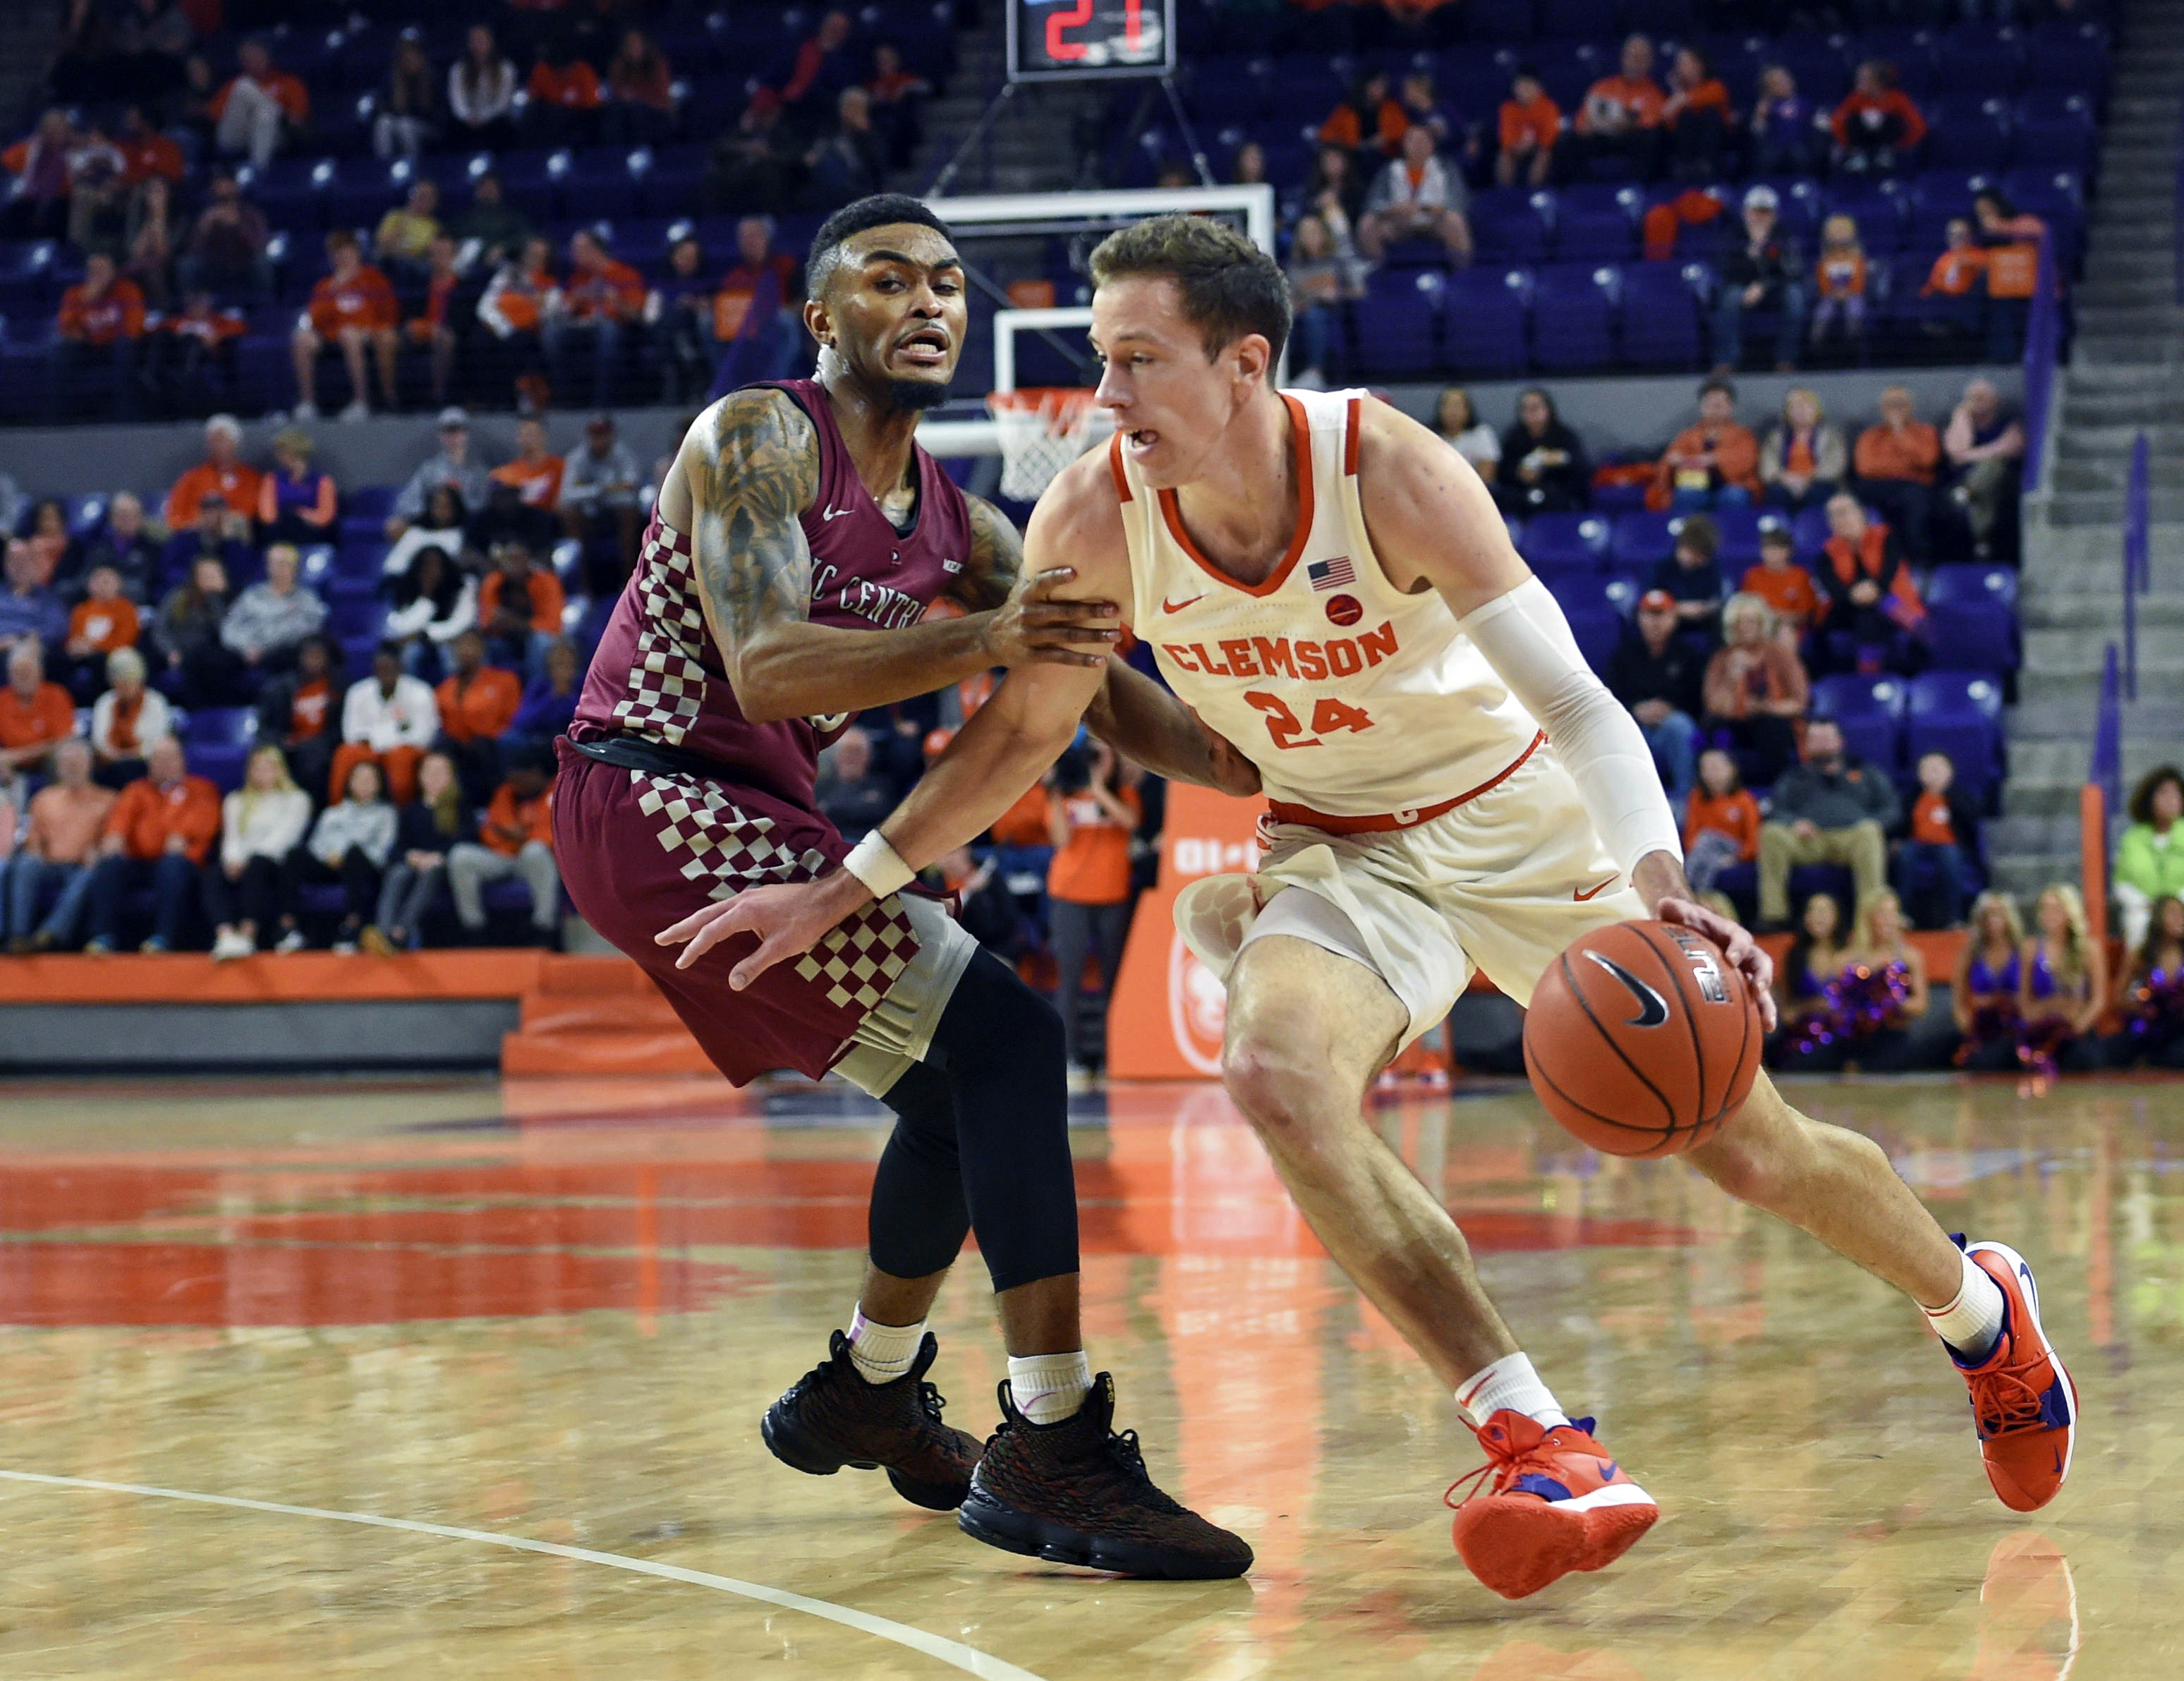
(1049, 1388)
(883, 1353)
(1510, 1384)
(1972, 1320)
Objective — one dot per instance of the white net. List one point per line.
(1041, 430)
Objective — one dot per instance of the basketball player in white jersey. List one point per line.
(1330, 588)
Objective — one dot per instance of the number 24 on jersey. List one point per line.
(1288, 729)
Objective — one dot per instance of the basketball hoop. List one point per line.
(1041, 430)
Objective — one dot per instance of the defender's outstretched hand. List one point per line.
(1031, 627)
(1744, 953)
(788, 919)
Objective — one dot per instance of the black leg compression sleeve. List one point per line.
(919, 1218)
(999, 1046)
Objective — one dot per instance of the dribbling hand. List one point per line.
(787, 919)
(1744, 953)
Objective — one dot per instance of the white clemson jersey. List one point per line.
(1354, 699)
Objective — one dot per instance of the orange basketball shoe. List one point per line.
(2024, 1404)
(1556, 1503)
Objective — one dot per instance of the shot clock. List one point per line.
(1078, 40)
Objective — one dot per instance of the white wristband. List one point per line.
(878, 865)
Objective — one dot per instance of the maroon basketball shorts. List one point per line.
(639, 851)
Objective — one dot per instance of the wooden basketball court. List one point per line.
(432, 1377)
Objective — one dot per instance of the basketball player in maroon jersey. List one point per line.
(798, 541)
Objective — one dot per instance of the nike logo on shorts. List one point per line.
(1581, 895)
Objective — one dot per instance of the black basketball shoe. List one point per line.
(832, 1417)
(1076, 1493)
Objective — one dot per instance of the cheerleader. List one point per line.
(2151, 999)
(2062, 987)
(1810, 1039)
(1881, 993)
(1983, 995)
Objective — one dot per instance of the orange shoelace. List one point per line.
(2005, 1400)
(1503, 1457)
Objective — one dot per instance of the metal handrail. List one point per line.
(2043, 338)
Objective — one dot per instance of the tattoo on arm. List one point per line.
(753, 468)
(996, 558)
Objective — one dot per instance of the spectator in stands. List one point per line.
(433, 329)
(851, 161)
(682, 336)
(1417, 195)
(601, 306)
(1335, 193)
(1756, 691)
(536, 471)
(822, 68)
(1320, 290)
(36, 715)
(506, 518)
(226, 251)
(126, 545)
(549, 702)
(566, 97)
(1697, 117)
(261, 109)
(1832, 809)
(1877, 128)
(899, 97)
(211, 538)
(193, 366)
(190, 110)
(48, 545)
(482, 94)
(390, 718)
(1544, 468)
(1090, 820)
(354, 309)
(98, 197)
(1839, 282)
(38, 197)
(30, 610)
(641, 91)
(1656, 675)
(1938, 839)
(2149, 860)
(749, 167)
(295, 711)
(348, 847)
(296, 502)
(600, 484)
(519, 608)
(1896, 459)
(103, 620)
(1874, 610)
(427, 828)
(493, 230)
(1619, 122)
(852, 791)
(516, 840)
(188, 631)
(13, 502)
(269, 621)
(1983, 994)
(409, 102)
(755, 311)
(452, 467)
(1712, 463)
(477, 703)
(1369, 121)
(158, 835)
(987, 910)
(1803, 462)
(2150, 998)
(223, 473)
(2012, 238)
(96, 342)
(1786, 587)
(150, 243)
(1721, 824)
(67, 819)
(440, 526)
(1530, 126)
(260, 824)
(1760, 272)
(1462, 430)
(1810, 972)
(2062, 987)
(403, 242)
(1787, 132)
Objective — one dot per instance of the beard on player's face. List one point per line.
(911, 396)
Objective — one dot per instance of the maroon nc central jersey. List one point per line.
(657, 675)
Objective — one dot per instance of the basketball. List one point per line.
(1641, 1038)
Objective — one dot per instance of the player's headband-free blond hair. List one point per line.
(1230, 288)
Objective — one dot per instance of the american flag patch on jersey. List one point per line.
(1331, 573)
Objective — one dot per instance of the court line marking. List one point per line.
(954, 1653)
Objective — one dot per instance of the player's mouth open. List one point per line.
(928, 347)
(1142, 439)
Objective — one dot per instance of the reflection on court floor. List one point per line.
(549, 1316)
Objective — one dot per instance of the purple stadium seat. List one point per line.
(1951, 584)
(1596, 223)
(1967, 136)
(1675, 18)
(1973, 636)
(1501, 22)
(1394, 320)
(1596, 632)
(1809, 530)
(1960, 714)
(2059, 143)
(1849, 694)
(1622, 592)
(1661, 327)
(1572, 316)
(1576, 20)
(1584, 594)
(1508, 225)
(2069, 55)
(1640, 541)
(1739, 540)
(1485, 322)
(1565, 541)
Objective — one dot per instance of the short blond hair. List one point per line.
(1744, 605)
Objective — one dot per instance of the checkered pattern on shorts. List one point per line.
(667, 678)
(730, 850)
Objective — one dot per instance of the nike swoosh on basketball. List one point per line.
(1594, 893)
(1167, 606)
(836, 512)
(1653, 1008)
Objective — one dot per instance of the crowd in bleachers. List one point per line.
(1498, 187)
(494, 204)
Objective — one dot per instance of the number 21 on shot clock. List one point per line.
(1075, 40)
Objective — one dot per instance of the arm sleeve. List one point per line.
(1527, 640)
